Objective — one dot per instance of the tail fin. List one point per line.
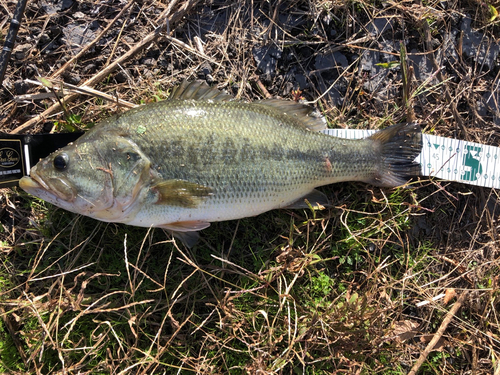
(399, 145)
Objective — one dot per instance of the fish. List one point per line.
(201, 156)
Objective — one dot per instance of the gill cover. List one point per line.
(129, 171)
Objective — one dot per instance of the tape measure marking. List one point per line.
(448, 159)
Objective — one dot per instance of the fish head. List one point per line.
(101, 177)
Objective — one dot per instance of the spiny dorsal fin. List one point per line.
(305, 114)
(198, 90)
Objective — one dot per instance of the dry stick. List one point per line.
(181, 12)
(117, 40)
(59, 85)
(190, 49)
(166, 12)
(91, 44)
(177, 15)
(104, 73)
(447, 319)
(263, 89)
(407, 75)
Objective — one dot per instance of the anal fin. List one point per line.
(316, 199)
(189, 239)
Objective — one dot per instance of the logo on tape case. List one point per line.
(11, 161)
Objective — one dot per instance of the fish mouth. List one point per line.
(56, 188)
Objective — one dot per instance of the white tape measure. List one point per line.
(449, 159)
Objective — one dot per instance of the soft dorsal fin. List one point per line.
(198, 90)
(306, 115)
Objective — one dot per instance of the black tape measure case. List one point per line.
(18, 153)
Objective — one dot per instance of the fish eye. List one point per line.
(61, 162)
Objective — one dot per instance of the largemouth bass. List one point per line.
(201, 157)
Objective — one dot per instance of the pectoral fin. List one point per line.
(316, 199)
(181, 193)
(186, 226)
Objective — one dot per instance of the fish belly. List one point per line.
(229, 207)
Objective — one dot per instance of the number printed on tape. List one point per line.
(449, 159)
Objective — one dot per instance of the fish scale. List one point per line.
(201, 157)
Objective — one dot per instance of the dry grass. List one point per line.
(360, 288)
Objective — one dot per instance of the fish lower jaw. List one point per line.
(40, 189)
(32, 187)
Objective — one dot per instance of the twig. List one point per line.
(433, 299)
(92, 43)
(73, 89)
(190, 49)
(406, 76)
(438, 334)
(263, 89)
(105, 72)
(11, 37)
(167, 11)
(180, 13)
(117, 39)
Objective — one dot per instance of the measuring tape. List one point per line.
(448, 159)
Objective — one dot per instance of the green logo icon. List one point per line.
(471, 163)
